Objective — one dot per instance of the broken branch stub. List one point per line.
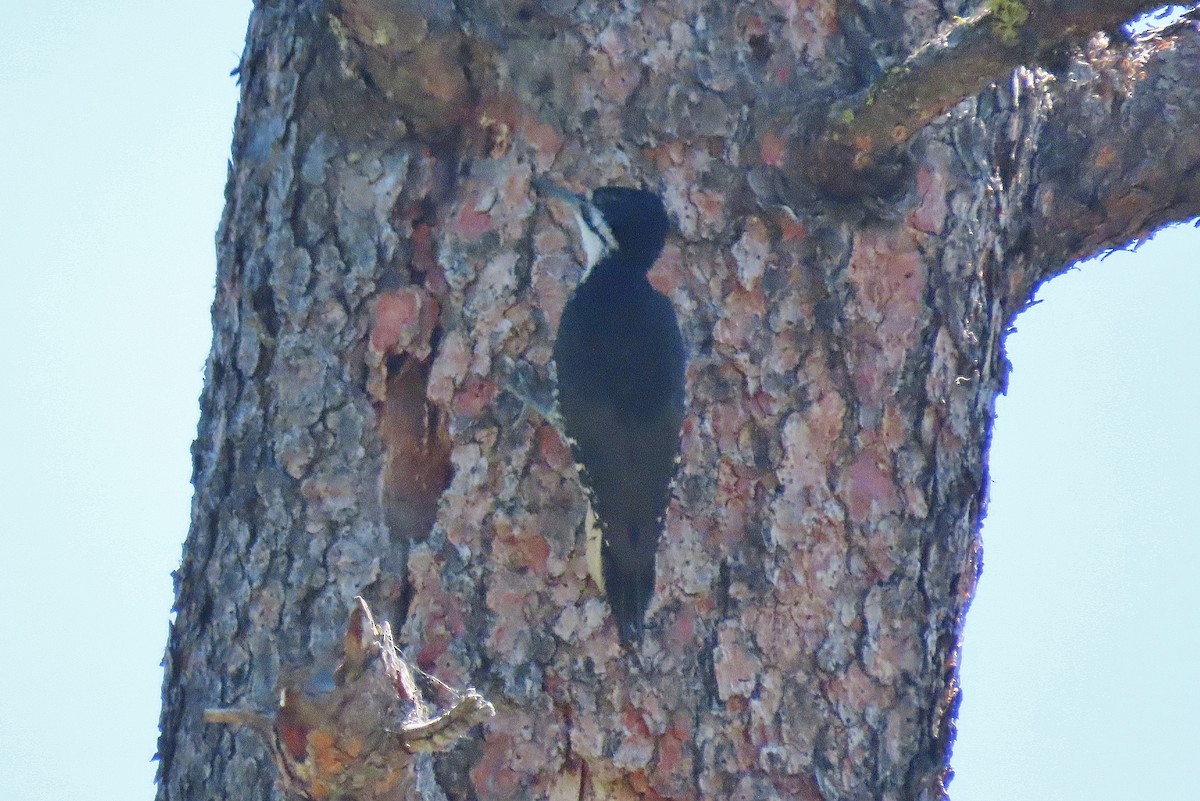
(354, 737)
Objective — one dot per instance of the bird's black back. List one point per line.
(620, 361)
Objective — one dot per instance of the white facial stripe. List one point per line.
(597, 238)
(593, 245)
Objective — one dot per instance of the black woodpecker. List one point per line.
(620, 361)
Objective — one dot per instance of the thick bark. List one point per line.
(386, 280)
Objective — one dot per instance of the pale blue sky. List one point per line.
(1081, 651)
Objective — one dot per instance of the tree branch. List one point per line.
(1118, 157)
(849, 157)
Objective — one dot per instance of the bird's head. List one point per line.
(617, 221)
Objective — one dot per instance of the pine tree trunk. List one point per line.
(388, 290)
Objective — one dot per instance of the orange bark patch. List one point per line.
(471, 223)
(404, 321)
(871, 490)
(735, 668)
(670, 753)
(889, 278)
(545, 141)
(330, 757)
(930, 216)
(668, 272)
(742, 316)
(773, 149)
(450, 366)
(792, 229)
(554, 450)
(856, 691)
(476, 395)
(519, 548)
(492, 776)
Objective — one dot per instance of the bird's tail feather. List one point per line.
(629, 592)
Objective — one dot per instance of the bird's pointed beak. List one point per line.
(550, 190)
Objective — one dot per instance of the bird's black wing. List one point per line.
(620, 382)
